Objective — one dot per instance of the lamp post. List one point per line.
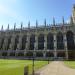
(48, 60)
(33, 65)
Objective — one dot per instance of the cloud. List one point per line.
(6, 7)
(3, 9)
(6, 11)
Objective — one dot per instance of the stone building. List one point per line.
(47, 41)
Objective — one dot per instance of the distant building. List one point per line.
(47, 41)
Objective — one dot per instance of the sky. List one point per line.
(17, 11)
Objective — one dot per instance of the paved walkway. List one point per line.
(56, 68)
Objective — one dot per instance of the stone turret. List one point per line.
(53, 21)
(45, 22)
(29, 24)
(73, 13)
(63, 20)
(36, 23)
(21, 25)
(8, 27)
(14, 26)
(2, 27)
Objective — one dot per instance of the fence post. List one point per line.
(26, 70)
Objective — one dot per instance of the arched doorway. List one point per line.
(61, 55)
(60, 43)
(41, 42)
(50, 43)
(49, 54)
(39, 54)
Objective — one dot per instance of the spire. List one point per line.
(73, 13)
(8, 27)
(36, 23)
(21, 25)
(14, 26)
(74, 6)
(45, 22)
(71, 20)
(63, 20)
(53, 21)
(2, 27)
(29, 24)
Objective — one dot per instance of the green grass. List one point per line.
(70, 64)
(16, 67)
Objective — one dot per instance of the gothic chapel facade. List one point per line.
(47, 41)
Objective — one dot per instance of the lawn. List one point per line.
(70, 64)
(16, 67)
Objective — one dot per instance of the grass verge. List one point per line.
(16, 67)
(70, 64)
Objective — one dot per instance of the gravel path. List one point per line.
(56, 68)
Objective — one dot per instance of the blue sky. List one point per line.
(18, 11)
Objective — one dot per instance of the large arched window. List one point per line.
(32, 41)
(60, 43)
(16, 42)
(41, 42)
(24, 42)
(70, 40)
(50, 44)
(1, 41)
(9, 41)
